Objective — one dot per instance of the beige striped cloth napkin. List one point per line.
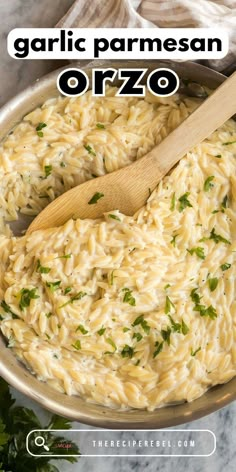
(159, 13)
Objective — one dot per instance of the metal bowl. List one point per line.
(74, 407)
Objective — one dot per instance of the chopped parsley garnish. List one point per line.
(39, 129)
(128, 297)
(137, 336)
(184, 202)
(111, 342)
(82, 329)
(225, 266)
(168, 305)
(74, 298)
(159, 347)
(47, 335)
(173, 241)
(95, 198)
(26, 297)
(167, 286)
(49, 314)
(210, 311)
(89, 149)
(218, 156)
(193, 353)
(53, 286)
(213, 283)
(195, 297)
(229, 142)
(41, 269)
(184, 328)
(62, 164)
(100, 126)
(112, 278)
(8, 310)
(77, 345)
(199, 251)
(101, 331)
(127, 351)
(114, 217)
(66, 256)
(208, 183)
(48, 171)
(125, 329)
(218, 238)
(224, 202)
(141, 321)
(67, 290)
(172, 203)
(166, 335)
(179, 327)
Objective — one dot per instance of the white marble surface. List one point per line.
(14, 76)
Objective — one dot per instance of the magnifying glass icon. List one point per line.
(40, 441)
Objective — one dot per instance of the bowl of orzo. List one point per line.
(121, 322)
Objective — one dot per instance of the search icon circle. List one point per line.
(40, 441)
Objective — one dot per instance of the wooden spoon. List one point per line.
(128, 189)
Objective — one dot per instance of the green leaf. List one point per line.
(114, 217)
(66, 256)
(127, 351)
(95, 198)
(218, 238)
(159, 347)
(137, 336)
(199, 251)
(184, 328)
(213, 283)
(173, 241)
(39, 129)
(26, 297)
(168, 305)
(195, 297)
(77, 345)
(184, 202)
(193, 353)
(8, 310)
(89, 149)
(67, 290)
(166, 335)
(101, 331)
(41, 269)
(208, 183)
(225, 266)
(140, 320)
(176, 327)
(224, 202)
(53, 286)
(82, 329)
(210, 311)
(25, 418)
(128, 298)
(59, 422)
(48, 171)
(172, 203)
(111, 342)
(228, 143)
(100, 126)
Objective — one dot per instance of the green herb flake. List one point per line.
(168, 305)
(39, 129)
(128, 297)
(89, 149)
(111, 342)
(66, 256)
(195, 297)
(224, 202)
(49, 314)
(218, 238)
(62, 164)
(114, 217)
(67, 290)
(213, 283)
(137, 336)
(176, 327)
(141, 321)
(208, 183)
(26, 297)
(166, 335)
(218, 156)
(101, 331)
(82, 329)
(173, 241)
(199, 251)
(225, 266)
(125, 329)
(210, 311)
(228, 143)
(159, 347)
(184, 328)
(184, 202)
(41, 269)
(8, 310)
(100, 126)
(53, 286)
(193, 353)
(48, 171)
(127, 351)
(172, 203)
(95, 198)
(77, 345)
(167, 286)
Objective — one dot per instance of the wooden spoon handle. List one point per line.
(128, 189)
